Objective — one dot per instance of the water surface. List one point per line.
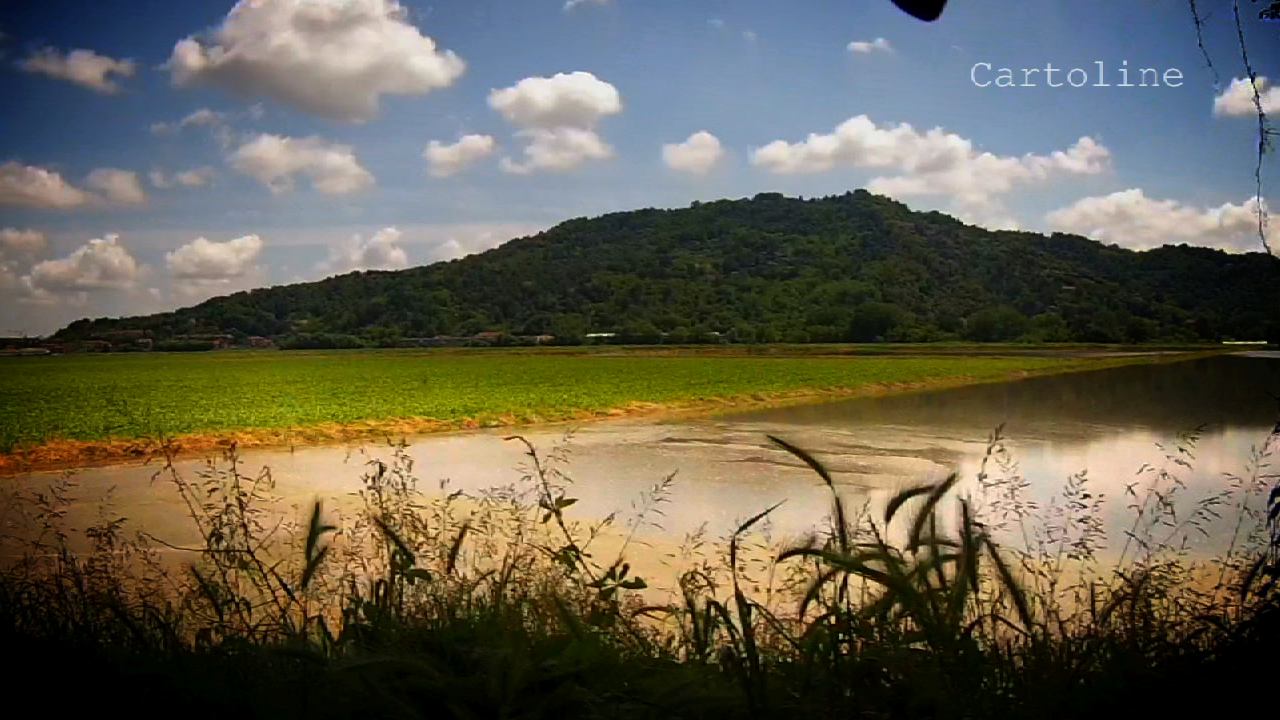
(1109, 422)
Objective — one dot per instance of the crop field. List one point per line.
(113, 397)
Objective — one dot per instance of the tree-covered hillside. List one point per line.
(853, 267)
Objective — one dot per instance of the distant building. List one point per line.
(489, 337)
(262, 343)
(121, 341)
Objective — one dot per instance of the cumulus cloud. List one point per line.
(330, 58)
(445, 160)
(217, 123)
(1132, 219)
(1237, 99)
(379, 252)
(697, 155)
(206, 261)
(21, 242)
(577, 99)
(276, 160)
(117, 186)
(9, 279)
(930, 163)
(571, 4)
(101, 263)
(195, 177)
(557, 150)
(866, 47)
(36, 187)
(557, 116)
(204, 117)
(81, 67)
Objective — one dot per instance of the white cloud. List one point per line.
(117, 186)
(557, 150)
(204, 117)
(445, 160)
(866, 47)
(29, 294)
(750, 36)
(1237, 99)
(379, 252)
(195, 177)
(217, 123)
(1132, 219)
(21, 242)
(81, 67)
(36, 187)
(698, 154)
(9, 279)
(558, 116)
(98, 264)
(930, 163)
(333, 58)
(275, 160)
(578, 99)
(208, 261)
(571, 4)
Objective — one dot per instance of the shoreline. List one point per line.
(62, 455)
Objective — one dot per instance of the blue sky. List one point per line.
(303, 154)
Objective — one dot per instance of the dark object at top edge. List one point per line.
(927, 10)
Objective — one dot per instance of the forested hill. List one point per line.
(852, 267)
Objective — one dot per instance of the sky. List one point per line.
(155, 153)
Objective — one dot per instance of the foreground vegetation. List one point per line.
(325, 394)
(502, 605)
(855, 267)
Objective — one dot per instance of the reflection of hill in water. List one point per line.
(1169, 397)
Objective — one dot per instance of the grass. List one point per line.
(90, 399)
(424, 604)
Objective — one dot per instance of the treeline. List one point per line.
(856, 267)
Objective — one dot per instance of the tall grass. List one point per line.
(417, 602)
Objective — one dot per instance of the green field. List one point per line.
(97, 397)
